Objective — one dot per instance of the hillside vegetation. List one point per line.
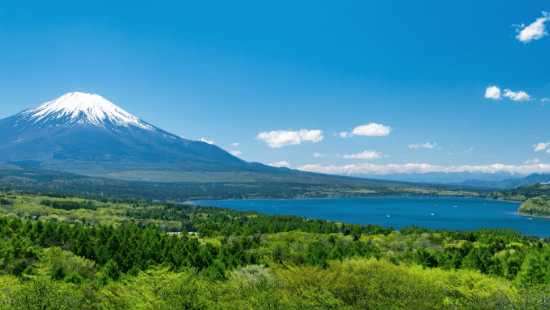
(283, 186)
(539, 206)
(79, 253)
(522, 193)
(535, 198)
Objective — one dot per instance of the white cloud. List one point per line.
(280, 138)
(535, 31)
(280, 164)
(519, 96)
(426, 145)
(337, 155)
(235, 153)
(316, 155)
(492, 92)
(545, 100)
(206, 141)
(365, 155)
(372, 129)
(368, 168)
(533, 161)
(343, 134)
(235, 144)
(541, 146)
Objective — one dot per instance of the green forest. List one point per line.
(522, 193)
(60, 252)
(535, 198)
(539, 206)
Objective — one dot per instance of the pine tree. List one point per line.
(110, 272)
(473, 261)
(102, 255)
(27, 227)
(531, 272)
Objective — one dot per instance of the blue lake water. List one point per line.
(428, 212)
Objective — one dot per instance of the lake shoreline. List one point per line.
(326, 198)
(505, 200)
(535, 216)
(452, 213)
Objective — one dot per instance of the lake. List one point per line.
(427, 212)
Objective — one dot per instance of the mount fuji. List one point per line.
(85, 133)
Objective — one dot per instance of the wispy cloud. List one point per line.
(280, 138)
(516, 96)
(280, 164)
(535, 31)
(541, 146)
(344, 134)
(426, 145)
(206, 141)
(372, 129)
(365, 155)
(235, 144)
(235, 153)
(317, 155)
(492, 92)
(545, 100)
(368, 168)
(532, 161)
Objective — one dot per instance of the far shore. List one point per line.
(535, 216)
(505, 200)
(303, 198)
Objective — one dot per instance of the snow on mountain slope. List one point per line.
(83, 108)
(87, 130)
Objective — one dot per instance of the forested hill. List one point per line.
(76, 253)
(535, 198)
(39, 180)
(538, 206)
(522, 193)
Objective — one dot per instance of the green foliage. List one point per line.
(522, 193)
(251, 275)
(248, 260)
(536, 206)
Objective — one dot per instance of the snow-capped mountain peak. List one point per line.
(83, 108)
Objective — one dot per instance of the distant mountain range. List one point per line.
(509, 183)
(481, 180)
(444, 178)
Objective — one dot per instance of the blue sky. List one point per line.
(284, 80)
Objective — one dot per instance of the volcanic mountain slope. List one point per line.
(86, 133)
